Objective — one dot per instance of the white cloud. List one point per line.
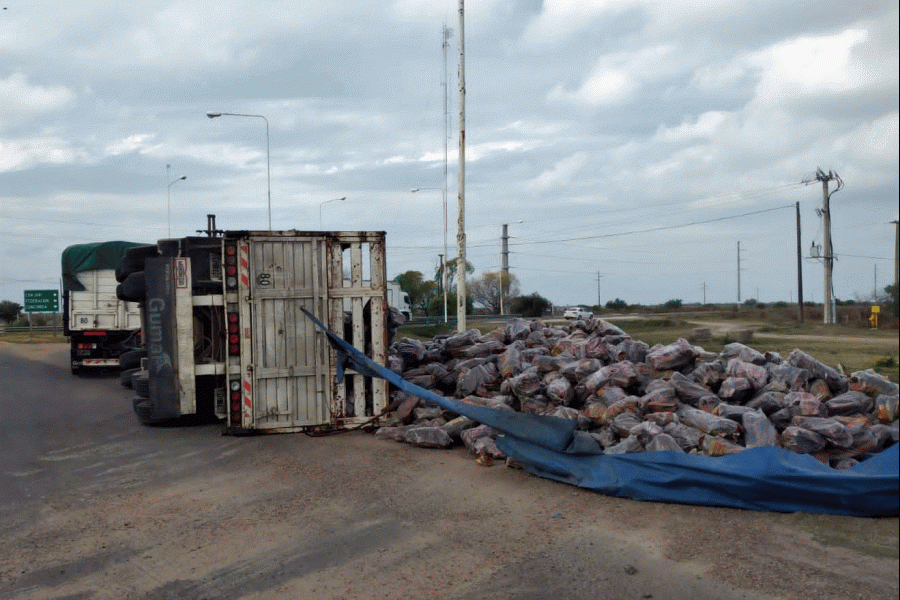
(22, 101)
(561, 174)
(27, 152)
(140, 143)
(704, 126)
(811, 66)
(602, 87)
(559, 19)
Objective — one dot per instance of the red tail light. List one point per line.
(234, 338)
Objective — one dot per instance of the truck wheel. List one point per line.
(141, 385)
(126, 377)
(133, 289)
(143, 411)
(131, 359)
(133, 261)
(76, 370)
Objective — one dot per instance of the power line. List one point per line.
(664, 228)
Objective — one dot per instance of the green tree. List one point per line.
(533, 305)
(617, 304)
(9, 311)
(674, 303)
(891, 291)
(451, 274)
(419, 290)
(436, 305)
(485, 290)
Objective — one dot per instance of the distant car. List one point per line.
(578, 313)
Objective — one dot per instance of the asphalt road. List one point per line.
(95, 506)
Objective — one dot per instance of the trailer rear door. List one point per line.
(290, 357)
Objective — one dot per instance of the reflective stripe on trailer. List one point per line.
(248, 399)
(100, 362)
(244, 261)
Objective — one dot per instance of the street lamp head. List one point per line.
(213, 115)
(183, 177)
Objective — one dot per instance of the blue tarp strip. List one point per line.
(769, 479)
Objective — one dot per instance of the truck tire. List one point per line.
(140, 382)
(131, 359)
(143, 411)
(133, 289)
(133, 261)
(126, 377)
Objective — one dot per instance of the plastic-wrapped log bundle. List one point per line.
(560, 391)
(411, 351)
(706, 422)
(743, 353)
(663, 442)
(736, 389)
(801, 440)
(687, 437)
(526, 384)
(849, 403)
(428, 437)
(716, 446)
(886, 408)
(689, 391)
(801, 359)
(631, 404)
(510, 362)
(830, 429)
(872, 384)
(793, 378)
(805, 404)
(673, 356)
(768, 402)
(517, 329)
(758, 430)
(756, 374)
(661, 400)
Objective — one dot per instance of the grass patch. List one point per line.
(37, 337)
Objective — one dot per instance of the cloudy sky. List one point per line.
(630, 145)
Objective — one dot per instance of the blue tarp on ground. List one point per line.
(770, 479)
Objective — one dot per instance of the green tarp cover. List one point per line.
(90, 257)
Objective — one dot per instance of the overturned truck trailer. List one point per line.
(225, 336)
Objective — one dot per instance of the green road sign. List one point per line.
(41, 301)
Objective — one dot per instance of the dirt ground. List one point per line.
(100, 507)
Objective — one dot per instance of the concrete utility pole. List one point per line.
(739, 274)
(799, 270)
(504, 262)
(461, 223)
(444, 275)
(828, 257)
(896, 257)
(598, 289)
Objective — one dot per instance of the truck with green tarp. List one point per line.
(100, 327)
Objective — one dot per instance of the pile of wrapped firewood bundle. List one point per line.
(631, 397)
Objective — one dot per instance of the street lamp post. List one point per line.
(213, 115)
(169, 195)
(341, 199)
(444, 275)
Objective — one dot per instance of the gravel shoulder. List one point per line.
(105, 508)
